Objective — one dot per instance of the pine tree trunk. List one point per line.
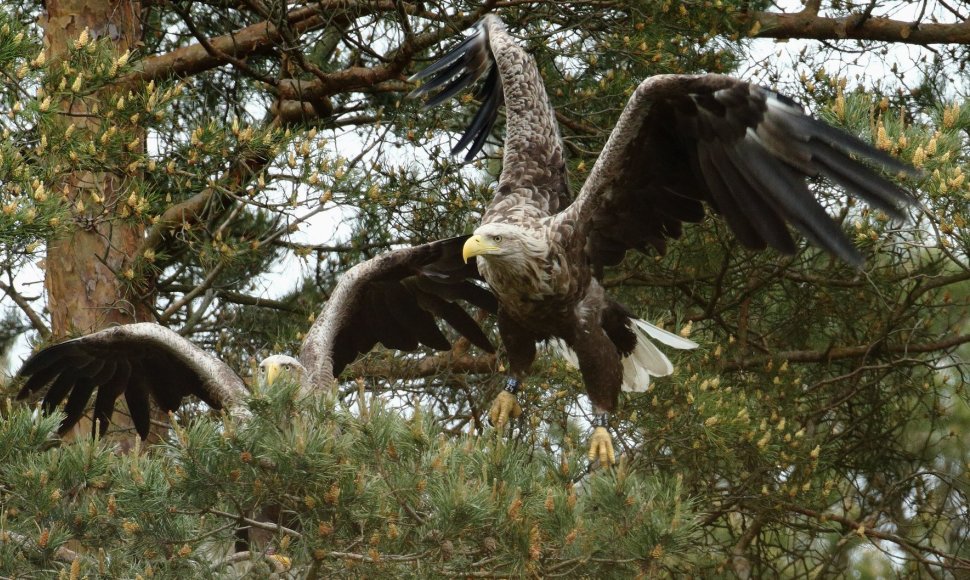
(87, 288)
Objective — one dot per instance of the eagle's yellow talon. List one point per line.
(601, 447)
(504, 407)
(282, 563)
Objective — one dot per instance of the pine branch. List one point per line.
(210, 279)
(857, 26)
(372, 560)
(358, 77)
(214, 51)
(237, 298)
(398, 368)
(343, 248)
(262, 37)
(952, 560)
(254, 39)
(846, 352)
(35, 320)
(276, 528)
(739, 561)
(190, 211)
(62, 554)
(246, 556)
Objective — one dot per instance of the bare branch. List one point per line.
(202, 287)
(846, 352)
(808, 24)
(254, 523)
(949, 560)
(35, 320)
(404, 369)
(238, 298)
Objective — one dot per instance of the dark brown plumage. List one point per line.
(682, 141)
(394, 299)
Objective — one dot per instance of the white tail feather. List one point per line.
(562, 349)
(668, 338)
(644, 362)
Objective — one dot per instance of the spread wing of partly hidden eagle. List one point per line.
(394, 298)
(680, 142)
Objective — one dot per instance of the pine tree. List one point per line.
(172, 152)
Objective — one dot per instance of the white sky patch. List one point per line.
(29, 283)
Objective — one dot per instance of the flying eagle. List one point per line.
(682, 140)
(395, 298)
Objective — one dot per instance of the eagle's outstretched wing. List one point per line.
(746, 150)
(395, 299)
(533, 179)
(141, 361)
(681, 141)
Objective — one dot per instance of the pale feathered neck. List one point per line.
(525, 259)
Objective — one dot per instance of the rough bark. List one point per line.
(85, 282)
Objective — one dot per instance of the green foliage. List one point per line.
(822, 416)
(368, 493)
(27, 210)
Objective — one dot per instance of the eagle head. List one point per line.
(278, 366)
(499, 240)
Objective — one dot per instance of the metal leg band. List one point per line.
(512, 385)
(602, 420)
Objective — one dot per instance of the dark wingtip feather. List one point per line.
(449, 73)
(457, 70)
(457, 52)
(863, 182)
(799, 205)
(49, 356)
(76, 402)
(468, 58)
(58, 391)
(481, 125)
(136, 397)
(460, 83)
(397, 297)
(849, 143)
(458, 319)
(842, 141)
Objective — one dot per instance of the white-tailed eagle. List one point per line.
(681, 141)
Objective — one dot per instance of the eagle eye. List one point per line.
(497, 238)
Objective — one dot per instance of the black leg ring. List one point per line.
(512, 385)
(602, 420)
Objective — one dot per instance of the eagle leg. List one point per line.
(505, 406)
(601, 443)
(520, 347)
(599, 363)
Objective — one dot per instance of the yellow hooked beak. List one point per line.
(476, 246)
(272, 372)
